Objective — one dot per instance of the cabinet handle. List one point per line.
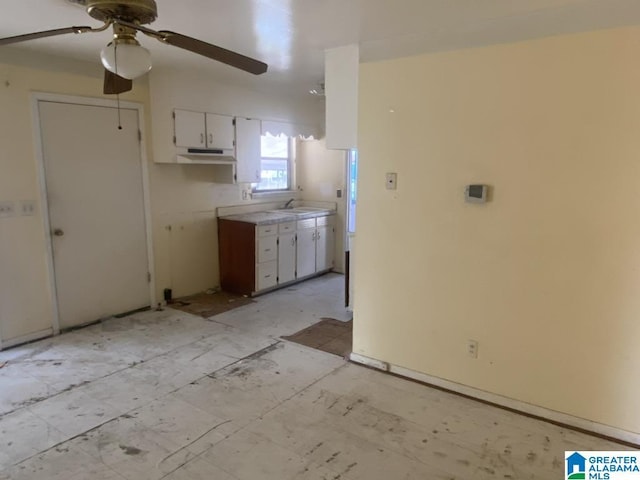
(210, 139)
(293, 242)
(267, 249)
(267, 276)
(202, 138)
(318, 235)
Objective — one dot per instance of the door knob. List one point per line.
(58, 232)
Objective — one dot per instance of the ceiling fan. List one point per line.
(124, 58)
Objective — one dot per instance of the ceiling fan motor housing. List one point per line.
(141, 12)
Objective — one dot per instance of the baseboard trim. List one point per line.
(542, 413)
(25, 339)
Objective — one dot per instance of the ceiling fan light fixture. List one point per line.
(133, 60)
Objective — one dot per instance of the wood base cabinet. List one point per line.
(258, 258)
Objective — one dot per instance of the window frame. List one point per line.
(289, 159)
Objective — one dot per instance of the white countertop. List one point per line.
(279, 216)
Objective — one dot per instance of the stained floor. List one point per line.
(169, 395)
(329, 335)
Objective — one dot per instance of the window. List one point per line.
(275, 162)
(352, 174)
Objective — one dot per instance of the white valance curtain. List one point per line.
(289, 129)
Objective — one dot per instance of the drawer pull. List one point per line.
(267, 276)
(267, 249)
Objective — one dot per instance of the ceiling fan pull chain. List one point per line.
(115, 57)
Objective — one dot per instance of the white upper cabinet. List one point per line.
(220, 131)
(248, 133)
(190, 129)
(342, 66)
(203, 130)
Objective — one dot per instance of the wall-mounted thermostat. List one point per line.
(476, 193)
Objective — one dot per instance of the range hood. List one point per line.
(205, 155)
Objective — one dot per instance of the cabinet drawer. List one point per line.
(326, 220)
(308, 223)
(287, 227)
(266, 275)
(267, 249)
(267, 230)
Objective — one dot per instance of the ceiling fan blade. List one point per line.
(214, 52)
(45, 34)
(114, 84)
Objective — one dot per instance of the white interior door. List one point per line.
(96, 210)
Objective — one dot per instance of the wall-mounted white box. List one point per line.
(391, 181)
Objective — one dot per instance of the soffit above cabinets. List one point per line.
(291, 35)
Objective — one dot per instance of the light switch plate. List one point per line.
(27, 208)
(392, 181)
(7, 208)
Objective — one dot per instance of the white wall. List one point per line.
(185, 197)
(546, 275)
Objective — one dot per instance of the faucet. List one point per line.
(288, 204)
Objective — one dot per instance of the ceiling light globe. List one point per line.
(133, 60)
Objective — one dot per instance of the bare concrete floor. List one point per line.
(168, 395)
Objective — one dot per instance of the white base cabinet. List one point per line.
(258, 258)
(315, 245)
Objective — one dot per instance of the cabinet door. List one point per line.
(248, 133)
(287, 258)
(189, 129)
(220, 131)
(324, 248)
(306, 252)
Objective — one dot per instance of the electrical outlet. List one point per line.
(7, 209)
(472, 348)
(27, 208)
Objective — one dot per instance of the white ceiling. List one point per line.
(291, 35)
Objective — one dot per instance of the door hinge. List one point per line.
(278, 279)
(278, 241)
(174, 139)
(173, 114)
(234, 121)
(149, 277)
(139, 135)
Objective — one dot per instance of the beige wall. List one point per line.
(546, 275)
(25, 296)
(185, 197)
(319, 174)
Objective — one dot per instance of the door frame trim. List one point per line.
(36, 98)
